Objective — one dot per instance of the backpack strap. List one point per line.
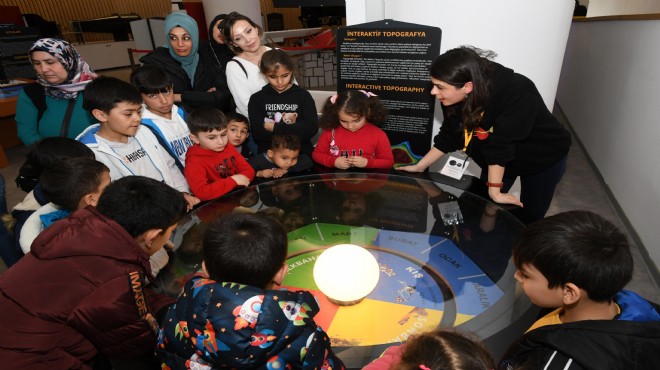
(37, 95)
(240, 64)
(166, 146)
(66, 122)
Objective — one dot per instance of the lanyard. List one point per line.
(467, 139)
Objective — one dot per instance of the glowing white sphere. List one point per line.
(346, 273)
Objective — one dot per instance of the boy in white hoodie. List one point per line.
(159, 113)
(118, 141)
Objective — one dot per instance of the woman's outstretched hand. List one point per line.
(503, 198)
(411, 168)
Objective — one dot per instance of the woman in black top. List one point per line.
(498, 118)
(216, 46)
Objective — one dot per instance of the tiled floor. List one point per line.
(581, 188)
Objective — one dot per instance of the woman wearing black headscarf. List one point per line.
(216, 46)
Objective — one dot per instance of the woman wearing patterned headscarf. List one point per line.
(197, 80)
(53, 105)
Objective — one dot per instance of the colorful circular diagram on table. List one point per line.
(444, 256)
(425, 282)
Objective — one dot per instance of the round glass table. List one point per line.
(444, 256)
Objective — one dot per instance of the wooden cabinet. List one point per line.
(104, 55)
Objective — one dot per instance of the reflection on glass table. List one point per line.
(444, 256)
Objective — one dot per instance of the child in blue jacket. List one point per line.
(231, 316)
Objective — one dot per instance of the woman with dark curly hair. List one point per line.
(497, 118)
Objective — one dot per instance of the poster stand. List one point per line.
(392, 60)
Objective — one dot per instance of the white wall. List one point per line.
(249, 8)
(610, 92)
(528, 36)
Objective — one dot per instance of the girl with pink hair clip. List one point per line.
(351, 137)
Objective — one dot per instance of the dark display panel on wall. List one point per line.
(392, 59)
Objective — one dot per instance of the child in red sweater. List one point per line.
(350, 137)
(213, 166)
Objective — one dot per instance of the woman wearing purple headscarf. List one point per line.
(53, 105)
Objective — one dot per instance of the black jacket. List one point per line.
(526, 138)
(208, 74)
(631, 342)
(219, 53)
(261, 162)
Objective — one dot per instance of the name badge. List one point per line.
(457, 163)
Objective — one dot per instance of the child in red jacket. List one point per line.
(213, 166)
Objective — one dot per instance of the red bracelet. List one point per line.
(494, 184)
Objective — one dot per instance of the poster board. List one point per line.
(392, 59)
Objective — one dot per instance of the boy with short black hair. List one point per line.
(580, 262)
(159, 113)
(251, 326)
(80, 293)
(44, 154)
(238, 130)
(283, 157)
(213, 166)
(118, 141)
(69, 185)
